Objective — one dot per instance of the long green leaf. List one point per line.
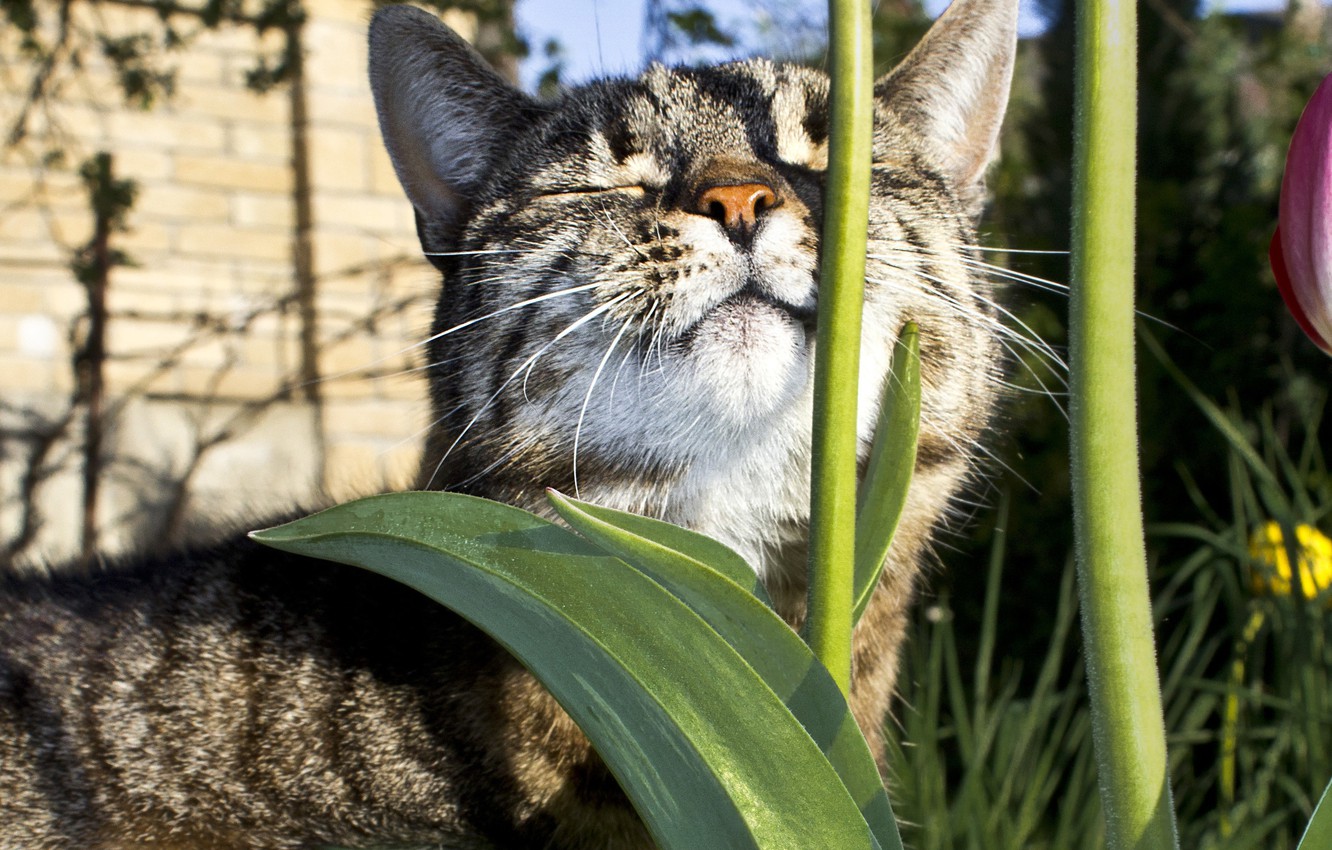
(698, 548)
(1319, 832)
(762, 638)
(892, 460)
(1238, 442)
(706, 751)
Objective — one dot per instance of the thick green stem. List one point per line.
(1128, 726)
(837, 366)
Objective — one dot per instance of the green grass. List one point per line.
(987, 757)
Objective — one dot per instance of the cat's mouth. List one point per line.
(743, 311)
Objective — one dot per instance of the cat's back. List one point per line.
(231, 696)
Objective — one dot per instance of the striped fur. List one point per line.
(600, 330)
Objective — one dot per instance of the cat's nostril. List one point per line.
(737, 207)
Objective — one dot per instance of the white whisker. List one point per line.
(582, 413)
(526, 365)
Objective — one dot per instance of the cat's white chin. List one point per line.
(750, 359)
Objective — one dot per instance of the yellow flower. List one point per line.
(1272, 573)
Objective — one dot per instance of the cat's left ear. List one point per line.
(953, 88)
(445, 115)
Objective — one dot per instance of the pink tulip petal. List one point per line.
(1303, 243)
(1305, 213)
(1278, 261)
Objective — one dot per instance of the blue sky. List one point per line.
(604, 37)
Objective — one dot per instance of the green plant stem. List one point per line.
(1127, 722)
(837, 365)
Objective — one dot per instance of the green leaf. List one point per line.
(892, 460)
(762, 639)
(653, 535)
(1319, 832)
(706, 751)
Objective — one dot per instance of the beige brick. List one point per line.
(338, 159)
(215, 352)
(16, 184)
(263, 282)
(167, 202)
(405, 385)
(129, 296)
(354, 354)
(73, 228)
(136, 338)
(336, 252)
(356, 280)
(24, 374)
(233, 174)
(66, 299)
(383, 179)
(23, 225)
(80, 120)
(237, 382)
(19, 294)
(140, 377)
(258, 141)
(143, 238)
(116, 19)
(359, 212)
(31, 252)
(9, 332)
(142, 164)
(359, 418)
(341, 109)
(339, 309)
(281, 353)
(355, 12)
(40, 276)
(336, 55)
(239, 40)
(235, 104)
(162, 130)
(262, 210)
(345, 388)
(194, 280)
(98, 88)
(201, 66)
(463, 23)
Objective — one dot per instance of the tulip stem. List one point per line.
(832, 521)
(1127, 722)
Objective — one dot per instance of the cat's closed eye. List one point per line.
(560, 193)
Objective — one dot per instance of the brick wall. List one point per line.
(214, 328)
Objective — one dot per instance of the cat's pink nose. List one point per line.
(737, 207)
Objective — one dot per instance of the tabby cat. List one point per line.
(630, 278)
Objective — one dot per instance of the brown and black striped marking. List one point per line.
(629, 294)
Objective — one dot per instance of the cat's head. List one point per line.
(631, 271)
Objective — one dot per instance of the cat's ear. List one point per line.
(444, 113)
(953, 87)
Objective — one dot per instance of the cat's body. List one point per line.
(630, 286)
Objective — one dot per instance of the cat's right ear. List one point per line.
(952, 89)
(443, 111)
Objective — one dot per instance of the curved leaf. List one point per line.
(762, 638)
(1319, 831)
(706, 751)
(892, 460)
(699, 548)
